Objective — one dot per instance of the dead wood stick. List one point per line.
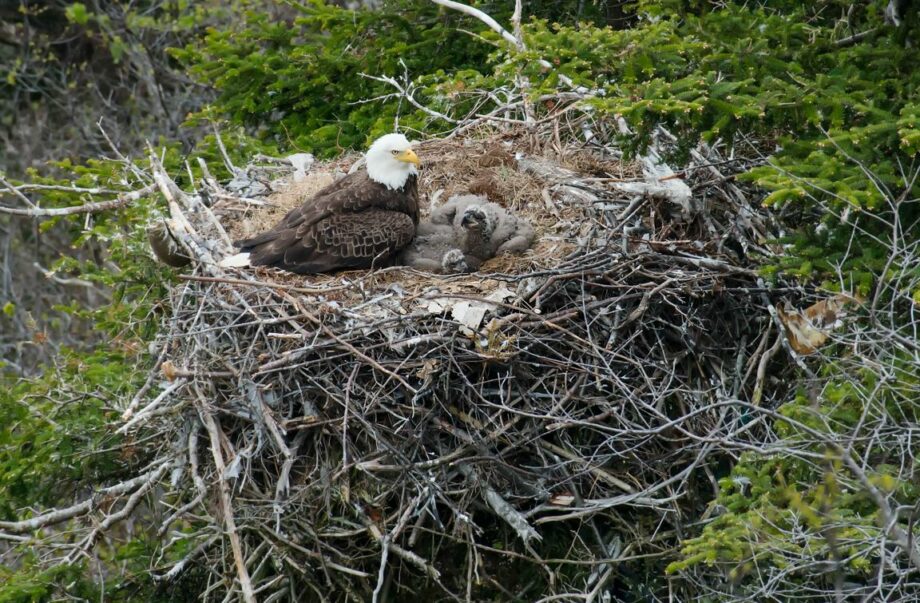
(179, 566)
(702, 262)
(502, 507)
(132, 421)
(196, 479)
(570, 187)
(59, 515)
(226, 505)
(330, 333)
(87, 208)
(255, 283)
(643, 304)
(133, 501)
(148, 383)
(312, 554)
(179, 224)
(762, 369)
(596, 471)
(400, 552)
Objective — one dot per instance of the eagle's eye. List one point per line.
(395, 152)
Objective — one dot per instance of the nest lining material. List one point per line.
(392, 422)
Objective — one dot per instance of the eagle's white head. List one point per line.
(391, 160)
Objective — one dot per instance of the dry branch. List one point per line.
(87, 208)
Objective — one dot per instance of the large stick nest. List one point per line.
(359, 435)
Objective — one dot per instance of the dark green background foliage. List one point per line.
(836, 117)
(298, 81)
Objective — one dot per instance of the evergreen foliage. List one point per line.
(300, 83)
(819, 498)
(842, 115)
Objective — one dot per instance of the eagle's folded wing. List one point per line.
(339, 241)
(351, 195)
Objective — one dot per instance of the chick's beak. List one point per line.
(408, 156)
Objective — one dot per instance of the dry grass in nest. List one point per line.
(259, 219)
(588, 163)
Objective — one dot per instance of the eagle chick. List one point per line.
(488, 228)
(436, 248)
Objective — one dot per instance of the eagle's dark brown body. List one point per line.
(352, 223)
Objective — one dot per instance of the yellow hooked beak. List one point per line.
(408, 156)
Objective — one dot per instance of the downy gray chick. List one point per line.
(435, 248)
(487, 229)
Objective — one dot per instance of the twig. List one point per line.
(87, 208)
(60, 515)
(227, 506)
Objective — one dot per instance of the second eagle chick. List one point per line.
(488, 228)
(435, 248)
(464, 232)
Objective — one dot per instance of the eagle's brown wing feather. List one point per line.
(355, 192)
(347, 224)
(358, 240)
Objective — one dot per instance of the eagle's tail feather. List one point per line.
(240, 260)
(261, 239)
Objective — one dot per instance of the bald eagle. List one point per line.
(359, 221)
